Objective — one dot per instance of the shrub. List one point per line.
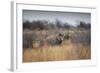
(28, 39)
(83, 37)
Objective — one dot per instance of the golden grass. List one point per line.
(66, 51)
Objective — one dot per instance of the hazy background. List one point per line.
(70, 17)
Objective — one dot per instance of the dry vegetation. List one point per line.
(42, 45)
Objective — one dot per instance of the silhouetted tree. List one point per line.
(58, 23)
(26, 25)
(84, 25)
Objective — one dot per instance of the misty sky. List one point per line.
(70, 17)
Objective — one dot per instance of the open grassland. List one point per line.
(56, 41)
(65, 51)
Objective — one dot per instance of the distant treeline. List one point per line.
(43, 24)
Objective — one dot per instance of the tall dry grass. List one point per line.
(65, 51)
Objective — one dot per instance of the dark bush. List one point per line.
(84, 25)
(84, 38)
(28, 39)
(27, 25)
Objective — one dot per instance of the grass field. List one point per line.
(45, 41)
(66, 51)
(55, 36)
